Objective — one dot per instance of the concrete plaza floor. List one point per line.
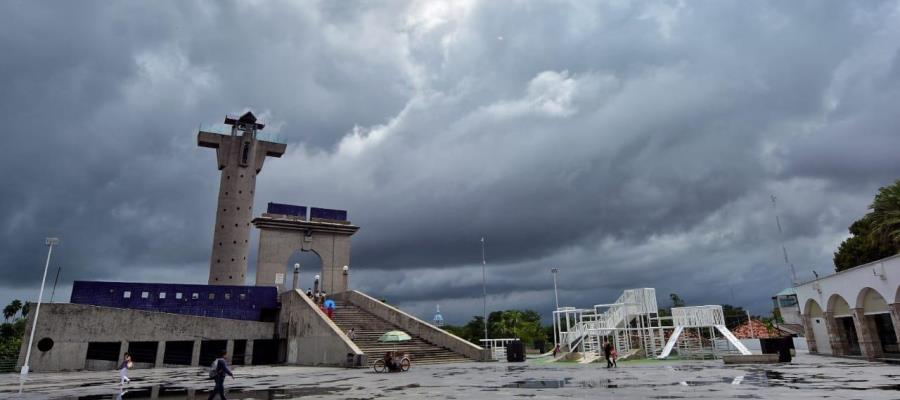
(807, 377)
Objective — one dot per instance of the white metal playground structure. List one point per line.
(633, 326)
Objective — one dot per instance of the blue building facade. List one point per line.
(249, 303)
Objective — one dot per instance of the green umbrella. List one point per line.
(395, 336)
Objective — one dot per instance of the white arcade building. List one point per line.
(855, 312)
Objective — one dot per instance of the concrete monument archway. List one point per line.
(285, 229)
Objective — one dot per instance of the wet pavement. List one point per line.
(807, 377)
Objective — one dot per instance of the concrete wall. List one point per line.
(415, 326)
(313, 338)
(72, 326)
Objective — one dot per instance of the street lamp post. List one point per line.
(345, 272)
(484, 289)
(50, 242)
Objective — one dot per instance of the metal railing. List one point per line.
(497, 347)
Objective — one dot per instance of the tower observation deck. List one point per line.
(240, 158)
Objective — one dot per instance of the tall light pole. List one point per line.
(484, 289)
(50, 242)
(555, 271)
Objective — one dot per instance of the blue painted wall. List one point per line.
(327, 213)
(286, 209)
(250, 303)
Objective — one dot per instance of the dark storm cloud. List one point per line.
(628, 144)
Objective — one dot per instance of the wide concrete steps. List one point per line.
(368, 328)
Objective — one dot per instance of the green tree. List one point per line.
(676, 300)
(10, 310)
(25, 309)
(886, 214)
(874, 236)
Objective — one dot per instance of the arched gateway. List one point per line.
(284, 229)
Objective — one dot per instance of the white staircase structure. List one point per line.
(698, 318)
(633, 325)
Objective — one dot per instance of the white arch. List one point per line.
(871, 301)
(838, 306)
(812, 309)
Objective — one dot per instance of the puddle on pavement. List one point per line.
(538, 383)
(180, 393)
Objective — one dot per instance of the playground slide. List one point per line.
(671, 343)
(733, 340)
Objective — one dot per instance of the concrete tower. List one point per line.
(240, 157)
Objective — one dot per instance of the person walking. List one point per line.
(221, 370)
(123, 369)
(607, 352)
(615, 356)
(329, 308)
(351, 334)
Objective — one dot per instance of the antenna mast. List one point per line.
(787, 260)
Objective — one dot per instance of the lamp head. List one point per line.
(297, 267)
(51, 241)
(346, 269)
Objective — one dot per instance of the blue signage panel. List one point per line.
(287, 209)
(326, 213)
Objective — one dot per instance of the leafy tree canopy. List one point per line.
(874, 236)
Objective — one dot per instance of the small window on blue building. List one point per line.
(243, 296)
(126, 294)
(227, 296)
(212, 296)
(195, 296)
(162, 295)
(145, 295)
(177, 295)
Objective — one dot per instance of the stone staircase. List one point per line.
(368, 328)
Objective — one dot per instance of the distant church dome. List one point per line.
(438, 319)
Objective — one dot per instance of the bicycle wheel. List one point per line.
(379, 366)
(404, 364)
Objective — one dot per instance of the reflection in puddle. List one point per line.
(539, 383)
(180, 393)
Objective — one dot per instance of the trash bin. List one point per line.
(784, 351)
(515, 351)
(781, 346)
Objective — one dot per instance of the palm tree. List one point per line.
(10, 310)
(886, 213)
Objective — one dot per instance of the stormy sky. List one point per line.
(630, 144)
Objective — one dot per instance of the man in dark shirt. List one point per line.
(221, 371)
(607, 352)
